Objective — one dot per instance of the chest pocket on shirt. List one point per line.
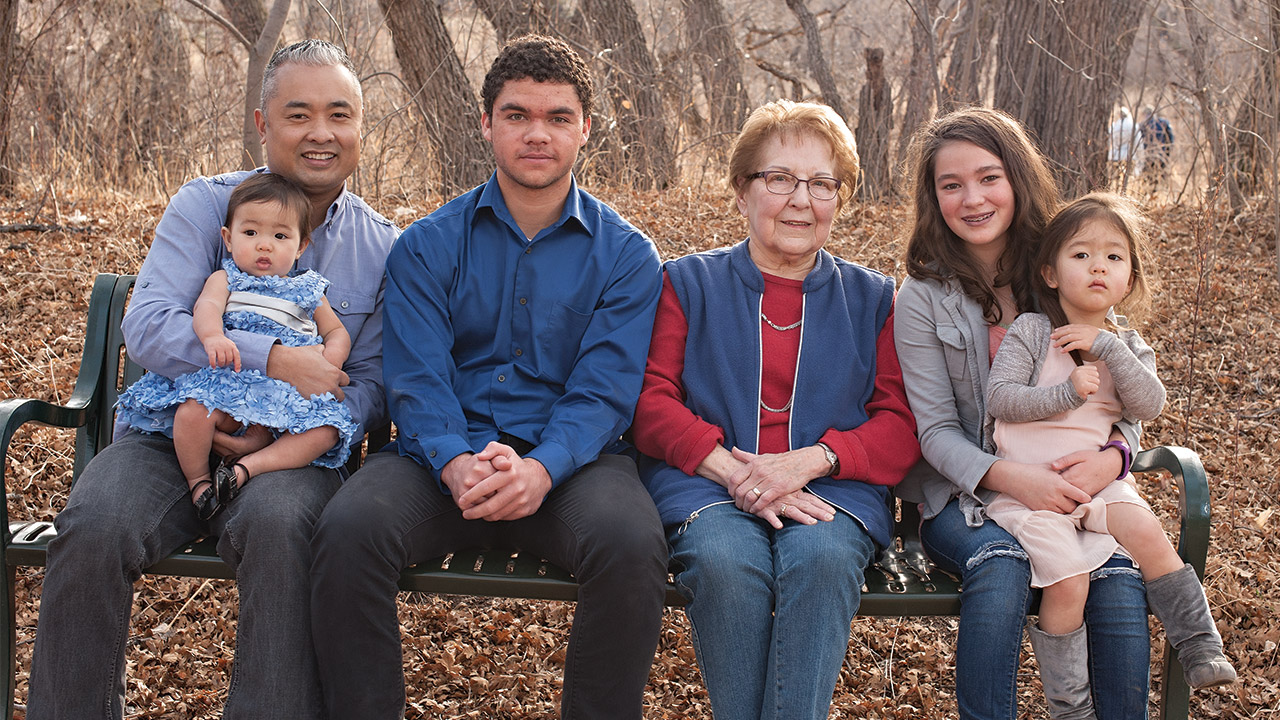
(353, 308)
(560, 341)
(955, 351)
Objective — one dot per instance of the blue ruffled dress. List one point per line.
(249, 396)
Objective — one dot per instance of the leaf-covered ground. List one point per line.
(1213, 325)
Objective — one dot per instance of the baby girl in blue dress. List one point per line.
(256, 290)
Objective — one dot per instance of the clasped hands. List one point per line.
(771, 486)
(496, 483)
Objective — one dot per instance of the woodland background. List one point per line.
(109, 106)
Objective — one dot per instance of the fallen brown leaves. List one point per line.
(1213, 325)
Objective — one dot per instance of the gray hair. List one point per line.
(316, 53)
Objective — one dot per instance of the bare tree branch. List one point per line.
(225, 23)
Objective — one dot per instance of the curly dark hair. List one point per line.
(545, 59)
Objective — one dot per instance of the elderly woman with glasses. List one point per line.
(774, 421)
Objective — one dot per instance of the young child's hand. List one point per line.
(1074, 337)
(1085, 380)
(222, 352)
(331, 356)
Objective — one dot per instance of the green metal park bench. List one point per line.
(902, 583)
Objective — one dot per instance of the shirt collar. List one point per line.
(491, 197)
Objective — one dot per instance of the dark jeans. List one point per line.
(130, 508)
(996, 577)
(600, 525)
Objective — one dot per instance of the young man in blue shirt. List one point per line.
(517, 324)
(131, 505)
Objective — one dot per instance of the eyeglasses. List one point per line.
(784, 183)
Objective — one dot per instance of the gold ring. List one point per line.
(783, 511)
(756, 490)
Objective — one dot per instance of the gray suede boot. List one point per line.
(1064, 672)
(1178, 600)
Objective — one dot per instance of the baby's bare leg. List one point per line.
(193, 427)
(1135, 528)
(288, 451)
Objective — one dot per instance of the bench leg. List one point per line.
(10, 639)
(1175, 694)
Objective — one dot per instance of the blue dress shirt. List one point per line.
(349, 248)
(487, 331)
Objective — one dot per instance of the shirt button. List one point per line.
(433, 453)
(345, 304)
(524, 301)
(502, 378)
(528, 250)
(519, 352)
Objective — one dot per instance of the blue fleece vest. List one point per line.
(845, 308)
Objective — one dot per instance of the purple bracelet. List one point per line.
(1126, 456)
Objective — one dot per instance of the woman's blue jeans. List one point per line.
(770, 609)
(996, 578)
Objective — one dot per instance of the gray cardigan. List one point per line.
(941, 338)
(1014, 397)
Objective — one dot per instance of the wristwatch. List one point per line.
(831, 458)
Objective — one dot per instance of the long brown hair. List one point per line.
(934, 252)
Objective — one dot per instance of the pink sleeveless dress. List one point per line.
(1059, 545)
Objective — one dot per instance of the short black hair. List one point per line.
(269, 187)
(544, 59)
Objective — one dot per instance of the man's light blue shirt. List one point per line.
(349, 248)
(487, 331)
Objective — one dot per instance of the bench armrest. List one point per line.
(1193, 498)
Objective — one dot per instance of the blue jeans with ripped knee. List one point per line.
(996, 578)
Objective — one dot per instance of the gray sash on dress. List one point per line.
(290, 315)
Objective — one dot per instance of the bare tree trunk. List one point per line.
(159, 85)
(1060, 70)
(8, 85)
(260, 47)
(922, 74)
(816, 58)
(1208, 108)
(875, 121)
(631, 83)
(970, 55)
(513, 18)
(442, 92)
(1274, 62)
(715, 56)
(247, 15)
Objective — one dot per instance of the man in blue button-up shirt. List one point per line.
(131, 506)
(517, 323)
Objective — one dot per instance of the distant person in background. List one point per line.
(1157, 141)
(1125, 157)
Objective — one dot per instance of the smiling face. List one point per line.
(788, 230)
(975, 197)
(1092, 272)
(264, 239)
(536, 129)
(310, 128)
